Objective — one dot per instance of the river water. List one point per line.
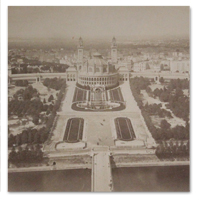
(137, 179)
(151, 179)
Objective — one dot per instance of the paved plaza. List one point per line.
(99, 127)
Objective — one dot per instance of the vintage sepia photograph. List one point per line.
(98, 98)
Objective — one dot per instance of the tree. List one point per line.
(164, 125)
(44, 101)
(37, 138)
(18, 139)
(148, 90)
(43, 137)
(36, 119)
(12, 156)
(50, 98)
(156, 92)
(24, 137)
(11, 140)
(161, 80)
(164, 96)
(30, 137)
(179, 92)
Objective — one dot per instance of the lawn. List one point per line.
(79, 95)
(74, 130)
(124, 129)
(116, 95)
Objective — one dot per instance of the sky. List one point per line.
(97, 22)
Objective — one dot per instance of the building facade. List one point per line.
(180, 66)
(97, 71)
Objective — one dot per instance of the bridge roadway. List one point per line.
(101, 170)
(39, 76)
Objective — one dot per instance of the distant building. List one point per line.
(140, 66)
(180, 65)
(96, 70)
(114, 51)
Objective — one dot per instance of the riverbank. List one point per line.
(89, 166)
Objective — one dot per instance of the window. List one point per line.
(90, 69)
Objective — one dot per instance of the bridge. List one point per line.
(101, 170)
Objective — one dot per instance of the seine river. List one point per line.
(137, 179)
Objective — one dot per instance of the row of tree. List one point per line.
(54, 83)
(178, 83)
(174, 149)
(29, 136)
(166, 132)
(139, 83)
(22, 83)
(27, 155)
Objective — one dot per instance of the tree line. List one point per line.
(22, 83)
(27, 155)
(28, 136)
(172, 150)
(54, 83)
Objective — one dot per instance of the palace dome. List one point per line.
(97, 60)
(97, 66)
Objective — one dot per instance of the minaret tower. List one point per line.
(114, 51)
(80, 53)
